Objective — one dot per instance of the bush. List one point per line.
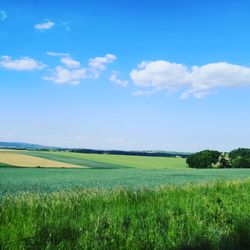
(203, 159)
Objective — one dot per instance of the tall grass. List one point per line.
(208, 216)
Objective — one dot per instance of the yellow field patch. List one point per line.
(17, 159)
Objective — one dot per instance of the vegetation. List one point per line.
(239, 158)
(203, 159)
(28, 146)
(189, 217)
(15, 158)
(124, 202)
(112, 161)
(37, 180)
(134, 153)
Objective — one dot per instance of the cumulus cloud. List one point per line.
(3, 15)
(66, 59)
(205, 79)
(44, 26)
(115, 79)
(22, 64)
(196, 81)
(98, 64)
(69, 62)
(159, 75)
(62, 75)
(72, 72)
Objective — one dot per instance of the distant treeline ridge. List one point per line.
(153, 153)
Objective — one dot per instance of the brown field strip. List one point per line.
(14, 158)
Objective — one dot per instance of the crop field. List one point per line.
(120, 202)
(15, 158)
(16, 180)
(25, 158)
(112, 161)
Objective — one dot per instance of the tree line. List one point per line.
(238, 158)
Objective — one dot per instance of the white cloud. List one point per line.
(44, 26)
(62, 75)
(66, 59)
(197, 81)
(3, 15)
(205, 79)
(143, 93)
(98, 64)
(69, 62)
(115, 79)
(22, 64)
(159, 75)
(50, 53)
(73, 73)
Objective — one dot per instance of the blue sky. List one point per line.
(166, 75)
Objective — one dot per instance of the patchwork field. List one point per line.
(23, 158)
(99, 172)
(16, 158)
(112, 161)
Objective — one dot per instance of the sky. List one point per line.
(130, 75)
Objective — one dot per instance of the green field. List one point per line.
(107, 172)
(123, 202)
(189, 217)
(111, 161)
(15, 180)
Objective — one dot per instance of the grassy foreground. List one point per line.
(208, 216)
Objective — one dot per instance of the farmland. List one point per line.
(16, 180)
(68, 159)
(112, 161)
(103, 172)
(120, 202)
(14, 158)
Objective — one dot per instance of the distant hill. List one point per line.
(28, 146)
(21, 145)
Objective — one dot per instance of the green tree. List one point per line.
(203, 159)
(240, 158)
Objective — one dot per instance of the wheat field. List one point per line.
(16, 158)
